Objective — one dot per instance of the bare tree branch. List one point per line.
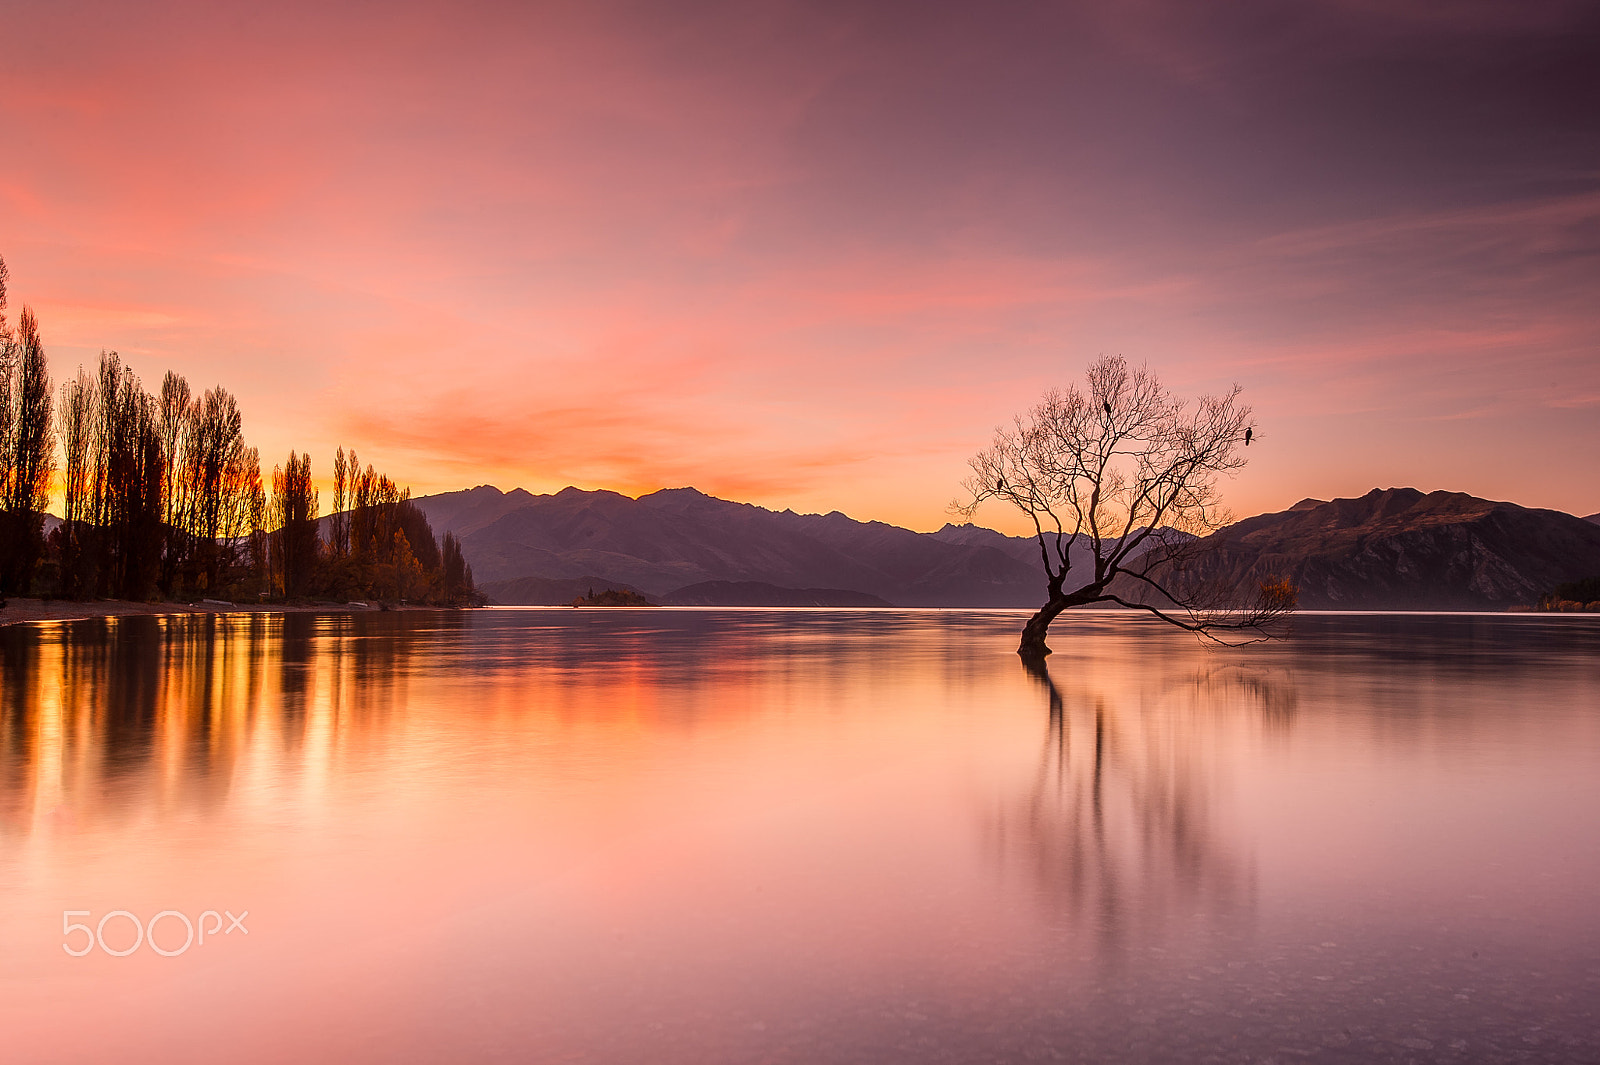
(1133, 473)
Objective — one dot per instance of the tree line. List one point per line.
(161, 497)
(1582, 596)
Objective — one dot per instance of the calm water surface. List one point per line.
(800, 836)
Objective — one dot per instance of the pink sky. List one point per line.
(809, 255)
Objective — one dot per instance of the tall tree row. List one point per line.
(159, 493)
(27, 452)
(160, 496)
(379, 543)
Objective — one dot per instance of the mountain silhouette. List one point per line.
(1399, 549)
(677, 538)
(1392, 548)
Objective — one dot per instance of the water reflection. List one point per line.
(121, 715)
(688, 836)
(113, 719)
(1116, 826)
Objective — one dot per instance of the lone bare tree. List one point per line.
(1119, 483)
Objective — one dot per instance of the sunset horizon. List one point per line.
(810, 257)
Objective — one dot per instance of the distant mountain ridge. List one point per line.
(1397, 548)
(1390, 549)
(679, 537)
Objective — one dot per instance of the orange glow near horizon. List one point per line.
(810, 259)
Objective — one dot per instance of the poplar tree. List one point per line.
(128, 477)
(28, 456)
(75, 428)
(174, 418)
(215, 444)
(339, 520)
(294, 513)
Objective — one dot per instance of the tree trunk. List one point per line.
(1033, 645)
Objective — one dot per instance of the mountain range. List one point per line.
(1390, 549)
(1399, 549)
(674, 540)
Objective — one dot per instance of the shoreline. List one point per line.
(22, 611)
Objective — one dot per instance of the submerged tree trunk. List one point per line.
(1033, 645)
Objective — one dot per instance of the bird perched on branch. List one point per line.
(1248, 433)
(1108, 408)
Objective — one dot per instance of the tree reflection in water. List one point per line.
(100, 720)
(1117, 829)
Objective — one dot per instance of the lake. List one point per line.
(705, 836)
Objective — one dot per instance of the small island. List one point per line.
(612, 597)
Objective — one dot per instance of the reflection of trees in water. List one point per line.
(130, 662)
(103, 718)
(18, 742)
(103, 721)
(1271, 698)
(60, 727)
(1117, 828)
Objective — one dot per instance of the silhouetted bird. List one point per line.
(1108, 409)
(1248, 433)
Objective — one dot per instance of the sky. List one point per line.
(810, 255)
